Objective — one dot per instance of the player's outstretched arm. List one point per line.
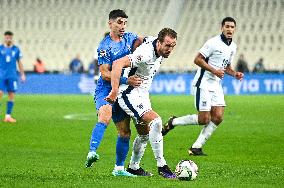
(230, 71)
(201, 62)
(134, 80)
(117, 67)
(137, 43)
(22, 72)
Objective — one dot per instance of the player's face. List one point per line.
(8, 40)
(166, 47)
(228, 29)
(117, 26)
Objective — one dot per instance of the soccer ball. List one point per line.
(186, 170)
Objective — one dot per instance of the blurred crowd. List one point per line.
(76, 66)
(242, 65)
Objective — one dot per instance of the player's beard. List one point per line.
(165, 54)
(9, 43)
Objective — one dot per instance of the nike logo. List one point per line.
(115, 53)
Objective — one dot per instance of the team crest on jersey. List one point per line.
(204, 103)
(139, 58)
(140, 106)
(102, 53)
(13, 53)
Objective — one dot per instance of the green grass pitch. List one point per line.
(45, 150)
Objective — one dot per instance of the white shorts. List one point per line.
(134, 102)
(205, 99)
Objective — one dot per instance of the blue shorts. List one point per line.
(100, 98)
(9, 84)
(117, 113)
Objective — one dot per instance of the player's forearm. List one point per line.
(137, 43)
(21, 68)
(201, 63)
(230, 71)
(115, 75)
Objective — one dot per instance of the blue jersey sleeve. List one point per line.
(19, 54)
(104, 56)
(131, 37)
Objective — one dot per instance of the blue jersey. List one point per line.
(109, 51)
(8, 60)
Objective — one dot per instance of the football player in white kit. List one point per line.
(144, 62)
(214, 60)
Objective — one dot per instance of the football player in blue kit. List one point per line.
(114, 46)
(10, 55)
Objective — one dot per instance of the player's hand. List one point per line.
(23, 77)
(219, 73)
(134, 81)
(111, 98)
(239, 75)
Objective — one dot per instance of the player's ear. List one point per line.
(158, 43)
(110, 22)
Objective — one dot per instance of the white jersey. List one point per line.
(218, 54)
(144, 63)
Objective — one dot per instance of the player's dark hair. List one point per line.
(117, 13)
(166, 32)
(8, 33)
(228, 19)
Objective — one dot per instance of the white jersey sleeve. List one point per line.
(207, 49)
(140, 55)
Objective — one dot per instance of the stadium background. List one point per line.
(48, 145)
(56, 30)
